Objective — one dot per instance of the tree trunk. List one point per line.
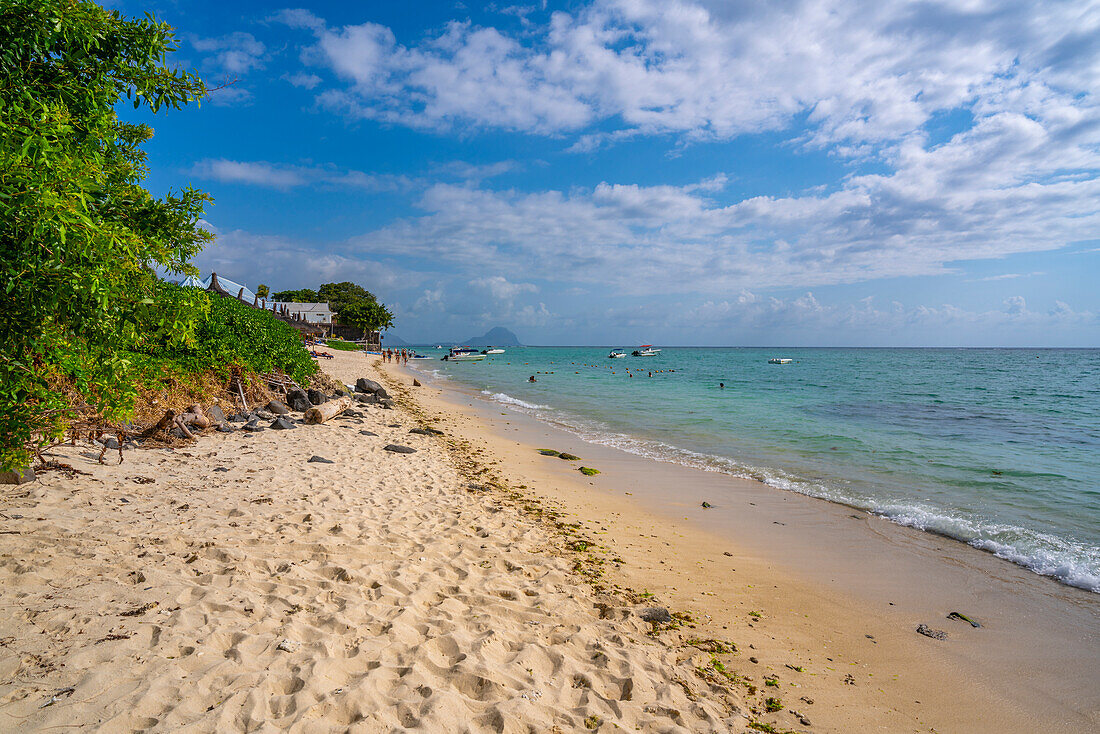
(325, 411)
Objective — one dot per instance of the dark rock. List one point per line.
(225, 428)
(319, 460)
(19, 476)
(707, 505)
(426, 431)
(416, 383)
(367, 433)
(367, 386)
(316, 397)
(393, 425)
(221, 468)
(263, 415)
(341, 394)
(927, 631)
(381, 393)
(277, 408)
(753, 660)
(367, 398)
(398, 449)
(298, 400)
(282, 423)
(238, 418)
(386, 403)
(215, 414)
(176, 433)
(111, 443)
(253, 426)
(655, 614)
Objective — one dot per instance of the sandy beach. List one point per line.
(475, 585)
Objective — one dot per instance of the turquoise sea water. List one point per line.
(999, 448)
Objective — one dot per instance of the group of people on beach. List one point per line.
(397, 356)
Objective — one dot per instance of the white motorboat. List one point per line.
(464, 354)
(616, 354)
(493, 350)
(780, 360)
(646, 350)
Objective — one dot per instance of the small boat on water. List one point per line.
(646, 350)
(493, 350)
(464, 354)
(780, 360)
(616, 354)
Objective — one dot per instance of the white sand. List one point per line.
(376, 593)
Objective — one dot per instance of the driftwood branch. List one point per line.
(160, 425)
(327, 411)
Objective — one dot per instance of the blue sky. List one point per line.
(628, 171)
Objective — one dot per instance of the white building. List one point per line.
(313, 313)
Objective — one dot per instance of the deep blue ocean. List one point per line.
(999, 448)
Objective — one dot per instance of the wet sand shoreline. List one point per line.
(1032, 666)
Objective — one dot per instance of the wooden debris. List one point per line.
(327, 411)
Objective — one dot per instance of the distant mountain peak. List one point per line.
(497, 336)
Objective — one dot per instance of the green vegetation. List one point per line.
(80, 238)
(85, 319)
(368, 316)
(761, 726)
(263, 291)
(549, 452)
(773, 705)
(568, 457)
(303, 295)
(343, 346)
(229, 334)
(589, 471)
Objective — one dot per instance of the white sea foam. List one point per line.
(509, 400)
(1072, 563)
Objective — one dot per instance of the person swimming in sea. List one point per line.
(722, 385)
(532, 379)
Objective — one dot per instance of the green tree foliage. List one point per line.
(341, 295)
(366, 315)
(79, 237)
(263, 291)
(302, 295)
(226, 334)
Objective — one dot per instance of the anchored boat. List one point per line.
(780, 360)
(464, 354)
(646, 350)
(616, 354)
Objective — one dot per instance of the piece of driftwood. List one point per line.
(326, 411)
(160, 425)
(240, 390)
(193, 417)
